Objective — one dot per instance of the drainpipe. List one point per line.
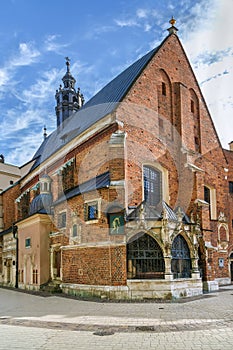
(15, 234)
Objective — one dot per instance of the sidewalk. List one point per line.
(55, 322)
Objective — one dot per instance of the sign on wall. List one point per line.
(116, 223)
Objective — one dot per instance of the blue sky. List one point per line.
(102, 38)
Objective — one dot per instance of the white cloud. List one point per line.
(26, 56)
(3, 77)
(147, 27)
(23, 147)
(142, 13)
(126, 22)
(52, 44)
(42, 89)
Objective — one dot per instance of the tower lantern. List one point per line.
(68, 99)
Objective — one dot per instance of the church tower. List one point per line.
(68, 99)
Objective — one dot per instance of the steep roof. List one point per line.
(100, 105)
(96, 183)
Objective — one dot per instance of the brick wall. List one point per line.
(160, 126)
(229, 175)
(95, 265)
(9, 205)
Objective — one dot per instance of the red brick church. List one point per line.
(131, 196)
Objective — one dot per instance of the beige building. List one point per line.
(34, 251)
(9, 174)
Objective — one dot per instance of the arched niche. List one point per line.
(144, 258)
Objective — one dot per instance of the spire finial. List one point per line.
(172, 21)
(172, 29)
(67, 63)
(45, 132)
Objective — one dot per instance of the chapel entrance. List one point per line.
(231, 266)
(56, 263)
(144, 258)
(231, 271)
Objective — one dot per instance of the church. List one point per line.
(131, 196)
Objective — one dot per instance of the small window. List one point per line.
(207, 194)
(164, 93)
(196, 141)
(160, 124)
(35, 277)
(91, 211)
(75, 230)
(210, 198)
(192, 106)
(230, 186)
(11, 182)
(27, 242)
(62, 220)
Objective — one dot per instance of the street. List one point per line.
(30, 321)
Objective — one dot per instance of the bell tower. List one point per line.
(68, 99)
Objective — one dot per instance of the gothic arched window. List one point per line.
(181, 262)
(152, 185)
(145, 258)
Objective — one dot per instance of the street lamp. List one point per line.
(15, 234)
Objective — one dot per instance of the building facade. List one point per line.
(130, 197)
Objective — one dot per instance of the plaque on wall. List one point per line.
(116, 223)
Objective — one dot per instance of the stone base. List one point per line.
(223, 281)
(139, 289)
(103, 292)
(29, 286)
(210, 286)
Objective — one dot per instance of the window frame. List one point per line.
(60, 220)
(164, 89)
(164, 180)
(230, 187)
(75, 232)
(212, 202)
(28, 242)
(151, 184)
(192, 106)
(89, 203)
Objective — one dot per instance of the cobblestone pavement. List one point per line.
(35, 322)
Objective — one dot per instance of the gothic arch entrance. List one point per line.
(181, 262)
(144, 258)
(55, 260)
